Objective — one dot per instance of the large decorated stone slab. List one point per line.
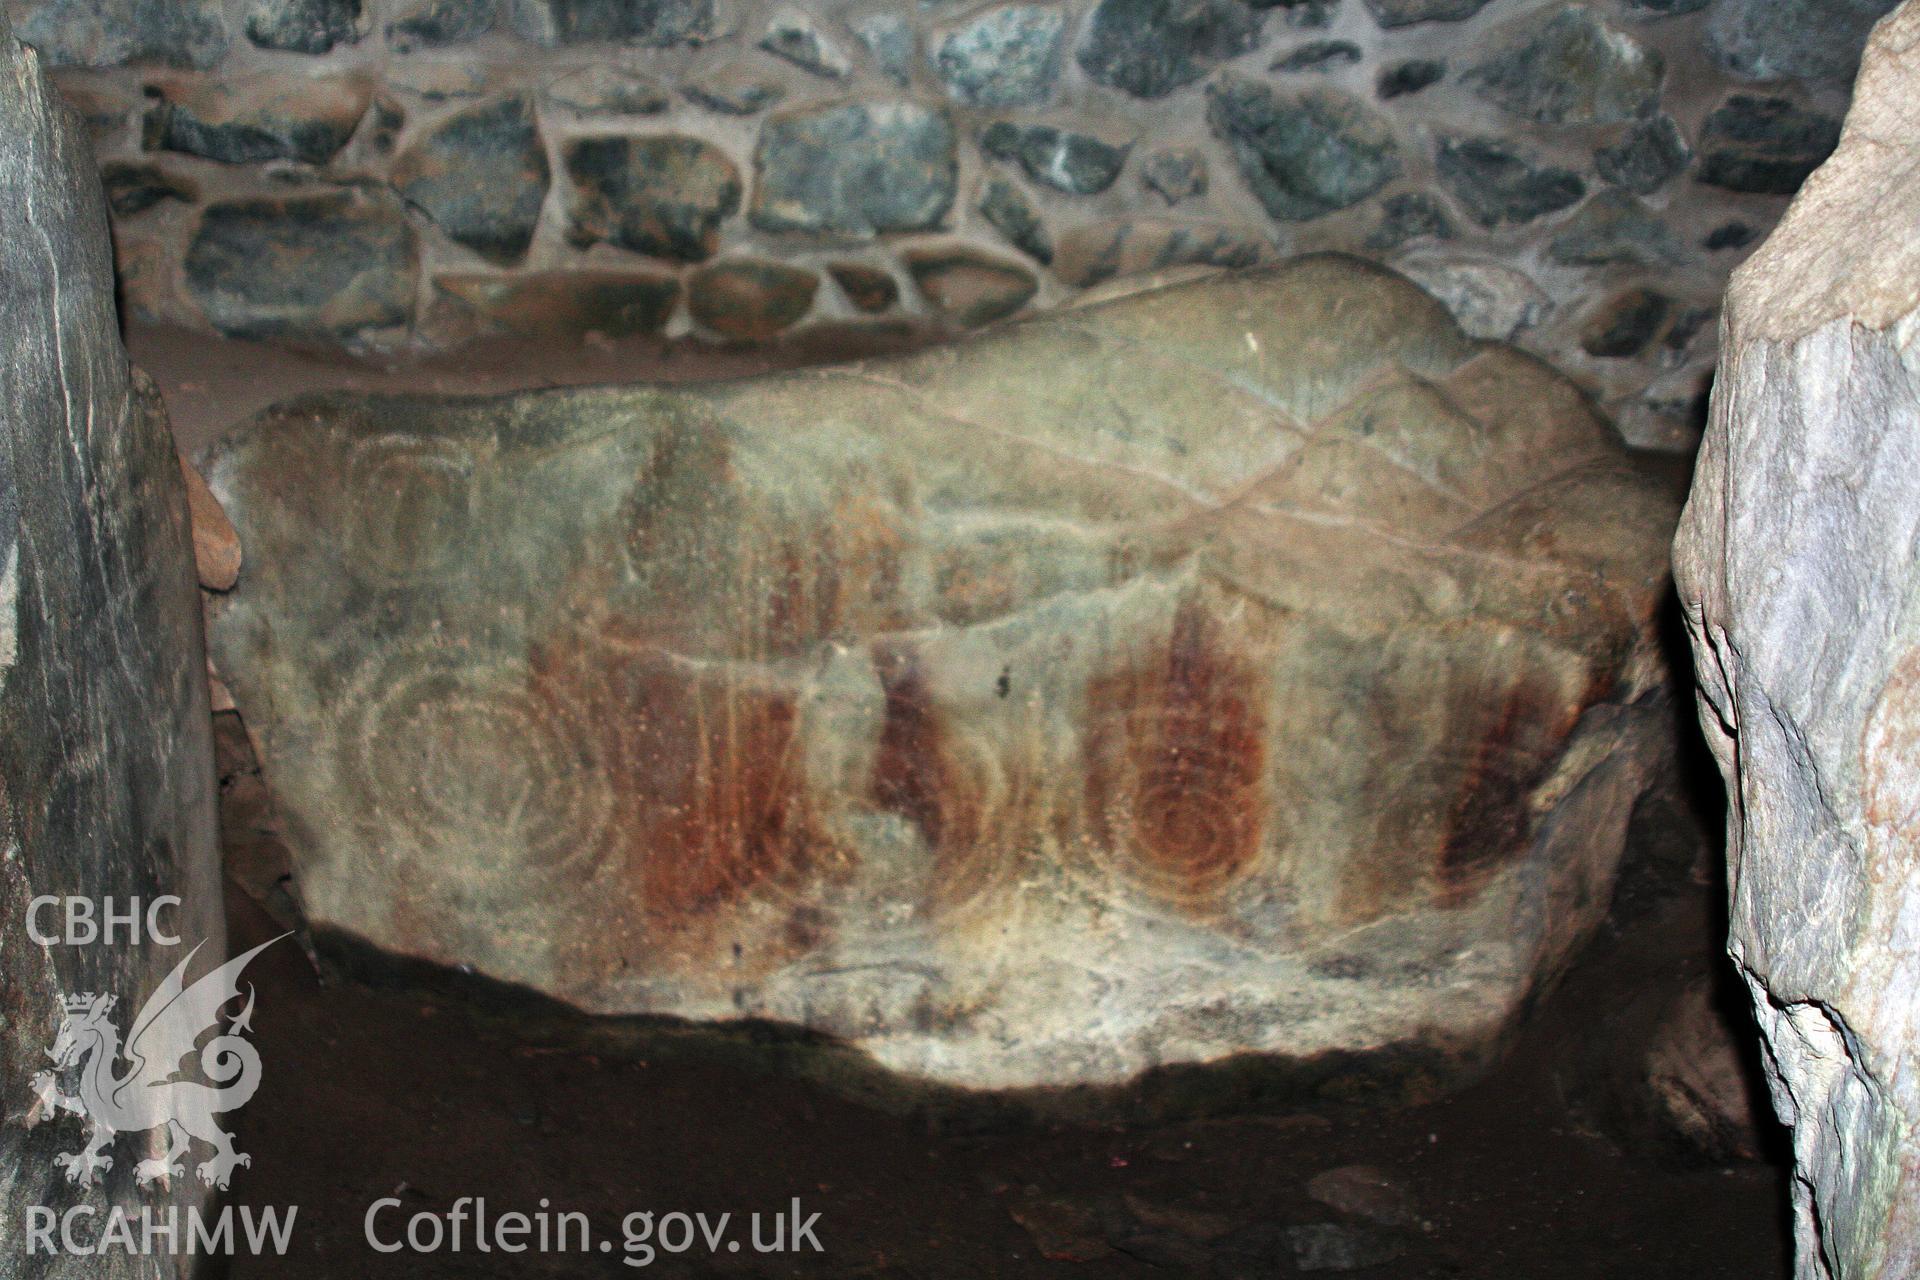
(1252, 665)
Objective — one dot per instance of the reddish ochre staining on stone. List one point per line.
(1176, 762)
(714, 808)
(920, 771)
(731, 815)
(841, 581)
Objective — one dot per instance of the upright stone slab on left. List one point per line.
(106, 766)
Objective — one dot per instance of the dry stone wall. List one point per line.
(392, 174)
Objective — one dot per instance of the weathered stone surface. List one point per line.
(1498, 184)
(1411, 76)
(794, 35)
(108, 33)
(604, 90)
(1775, 39)
(1615, 228)
(1647, 157)
(868, 288)
(249, 119)
(1076, 163)
(968, 287)
(442, 22)
(304, 26)
(1303, 154)
(1410, 216)
(1007, 208)
(1488, 299)
(1567, 66)
(643, 22)
(1404, 13)
(1245, 667)
(1008, 56)
(665, 195)
(481, 175)
(548, 304)
(1798, 578)
(856, 168)
(324, 266)
(104, 723)
(1149, 48)
(1764, 145)
(1176, 174)
(135, 188)
(1096, 252)
(750, 298)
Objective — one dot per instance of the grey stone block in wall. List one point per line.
(304, 26)
(664, 195)
(794, 35)
(750, 299)
(1498, 183)
(481, 175)
(1076, 163)
(1777, 39)
(736, 88)
(968, 288)
(1411, 215)
(855, 168)
(604, 90)
(1176, 174)
(1149, 48)
(1615, 229)
(1647, 157)
(250, 119)
(1318, 55)
(1567, 66)
(1764, 145)
(106, 757)
(1007, 208)
(1008, 56)
(643, 22)
(324, 266)
(1096, 252)
(1405, 13)
(1412, 76)
(441, 22)
(1304, 154)
(135, 188)
(108, 33)
(890, 41)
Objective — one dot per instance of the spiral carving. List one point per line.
(1176, 759)
(423, 743)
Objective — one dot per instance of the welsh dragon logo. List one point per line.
(149, 1093)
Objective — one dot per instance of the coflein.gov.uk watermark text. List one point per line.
(468, 1226)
